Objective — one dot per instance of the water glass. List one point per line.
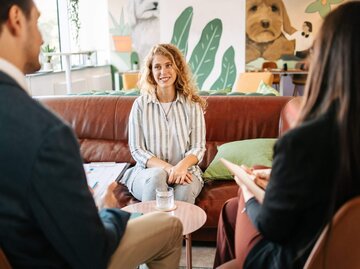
(165, 198)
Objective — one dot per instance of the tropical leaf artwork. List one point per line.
(203, 57)
(321, 6)
(181, 30)
(228, 71)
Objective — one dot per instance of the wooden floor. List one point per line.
(203, 256)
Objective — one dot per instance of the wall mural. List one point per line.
(143, 18)
(281, 31)
(212, 35)
(202, 59)
(134, 30)
(209, 37)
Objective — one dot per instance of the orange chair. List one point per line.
(249, 81)
(130, 80)
(4, 263)
(267, 66)
(338, 245)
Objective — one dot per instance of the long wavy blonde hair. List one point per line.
(184, 83)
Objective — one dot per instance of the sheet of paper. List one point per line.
(100, 175)
(242, 177)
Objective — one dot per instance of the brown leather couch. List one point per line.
(101, 125)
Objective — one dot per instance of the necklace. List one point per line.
(168, 110)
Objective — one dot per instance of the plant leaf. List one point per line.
(313, 7)
(115, 23)
(228, 71)
(332, 2)
(203, 57)
(324, 11)
(181, 30)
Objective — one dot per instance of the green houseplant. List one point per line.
(121, 33)
(46, 50)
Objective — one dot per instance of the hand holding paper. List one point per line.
(242, 177)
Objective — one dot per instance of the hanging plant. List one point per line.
(73, 9)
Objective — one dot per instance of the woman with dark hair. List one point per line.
(316, 165)
(166, 129)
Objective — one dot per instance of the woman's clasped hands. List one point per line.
(179, 174)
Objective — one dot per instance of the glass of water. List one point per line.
(165, 198)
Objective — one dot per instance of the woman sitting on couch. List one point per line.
(166, 129)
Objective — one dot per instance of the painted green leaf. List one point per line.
(335, 1)
(324, 11)
(313, 7)
(181, 30)
(228, 71)
(203, 57)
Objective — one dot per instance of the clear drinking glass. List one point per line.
(165, 198)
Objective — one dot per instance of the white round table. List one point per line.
(191, 216)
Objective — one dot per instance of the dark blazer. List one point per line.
(48, 218)
(297, 199)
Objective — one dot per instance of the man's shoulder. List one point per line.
(26, 113)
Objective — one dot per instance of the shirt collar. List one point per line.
(13, 72)
(152, 98)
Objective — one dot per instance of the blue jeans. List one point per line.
(148, 180)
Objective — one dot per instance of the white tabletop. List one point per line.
(191, 216)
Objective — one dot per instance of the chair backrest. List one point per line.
(289, 115)
(271, 65)
(130, 80)
(4, 263)
(339, 247)
(249, 81)
(299, 79)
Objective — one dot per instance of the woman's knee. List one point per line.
(188, 192)
(156, 178)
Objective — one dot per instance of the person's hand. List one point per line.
(108, 199)
(179, 175)
(245, 191)
(262, 180)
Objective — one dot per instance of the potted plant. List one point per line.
(121, 33)
(47, 50)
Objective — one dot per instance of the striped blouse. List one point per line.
(149, 131)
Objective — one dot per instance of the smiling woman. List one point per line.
(166, 129)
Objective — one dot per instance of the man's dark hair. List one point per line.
(5, 5)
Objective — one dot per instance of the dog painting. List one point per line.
(143, 18)
(265, 21)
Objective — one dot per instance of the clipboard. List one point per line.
(120, 176)
(100, 175)
(242, 177)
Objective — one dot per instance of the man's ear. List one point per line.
(16, 20)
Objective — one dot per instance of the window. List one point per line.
(59, 32)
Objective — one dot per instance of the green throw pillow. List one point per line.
(249, 152)
(266, 89)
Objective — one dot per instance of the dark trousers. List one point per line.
(236, 234)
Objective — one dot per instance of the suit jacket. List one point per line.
(48, 218)
(298, 197)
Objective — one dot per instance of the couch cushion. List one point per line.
(249, 152)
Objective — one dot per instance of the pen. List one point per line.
(95, 184)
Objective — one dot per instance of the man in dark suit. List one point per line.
(48, 218)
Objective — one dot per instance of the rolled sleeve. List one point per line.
(197, 134)
(136, 137)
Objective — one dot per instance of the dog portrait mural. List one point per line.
(265, 22)
(282, 30)
(143, 19)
